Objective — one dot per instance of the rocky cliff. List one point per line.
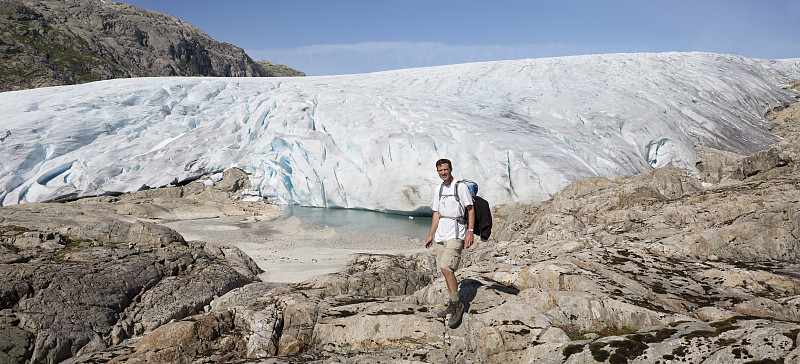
(55, 42)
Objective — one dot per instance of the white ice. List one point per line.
(522, 129)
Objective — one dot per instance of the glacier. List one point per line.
(522, 129)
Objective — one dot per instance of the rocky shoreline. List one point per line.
(660, 267)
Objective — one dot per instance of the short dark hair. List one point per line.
(444, 161)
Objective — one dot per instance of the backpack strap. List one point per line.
(441, 187)
(458, 200)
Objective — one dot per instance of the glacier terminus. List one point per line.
(522, 129)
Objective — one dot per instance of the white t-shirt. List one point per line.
(448, 206)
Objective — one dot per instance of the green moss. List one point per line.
(598, 353)
(649, 305)
(12, 230)
(699, 333)
(679, 352)
(628, 349)
(574, 333)
(572, 349)
(725, 325)
(658, 287)
(740, 353)
(619, 260)
(725, 342)
(663, 334)
(701, 301)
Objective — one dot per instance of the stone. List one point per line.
(233, 180)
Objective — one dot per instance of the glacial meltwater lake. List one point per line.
(361, 220)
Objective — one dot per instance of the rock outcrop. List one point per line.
(223, 194)
(54, 42)
(77, 281)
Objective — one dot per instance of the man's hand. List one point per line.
(434, 226)
(469, 239)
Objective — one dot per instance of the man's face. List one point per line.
(444, 172)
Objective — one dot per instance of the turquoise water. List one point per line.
(362, 220)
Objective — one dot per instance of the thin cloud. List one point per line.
(327, 59)
(364, 57)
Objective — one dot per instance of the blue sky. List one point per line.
(341, 37)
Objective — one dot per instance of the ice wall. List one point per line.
(522, 129)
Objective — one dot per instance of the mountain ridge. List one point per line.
(48, 43)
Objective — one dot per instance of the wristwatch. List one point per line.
(470, 230)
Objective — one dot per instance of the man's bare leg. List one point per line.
(450, 279)
(452, 292)
(454, 307)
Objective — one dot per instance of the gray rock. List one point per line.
(233, 180)
(110, 279)
(187, 202)
(16, 344)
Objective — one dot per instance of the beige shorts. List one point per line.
(448, 254)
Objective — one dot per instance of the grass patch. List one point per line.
(13, 230)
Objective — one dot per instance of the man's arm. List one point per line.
(434, 225)
(470, 226)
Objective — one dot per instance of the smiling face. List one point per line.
(445, 173)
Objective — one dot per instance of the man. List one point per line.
(452, 228)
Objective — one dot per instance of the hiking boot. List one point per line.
(451, 307)
(455, 317)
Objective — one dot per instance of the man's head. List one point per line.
(445, 168)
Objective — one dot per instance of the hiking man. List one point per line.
(452, 229)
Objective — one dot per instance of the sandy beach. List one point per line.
(292, 250)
